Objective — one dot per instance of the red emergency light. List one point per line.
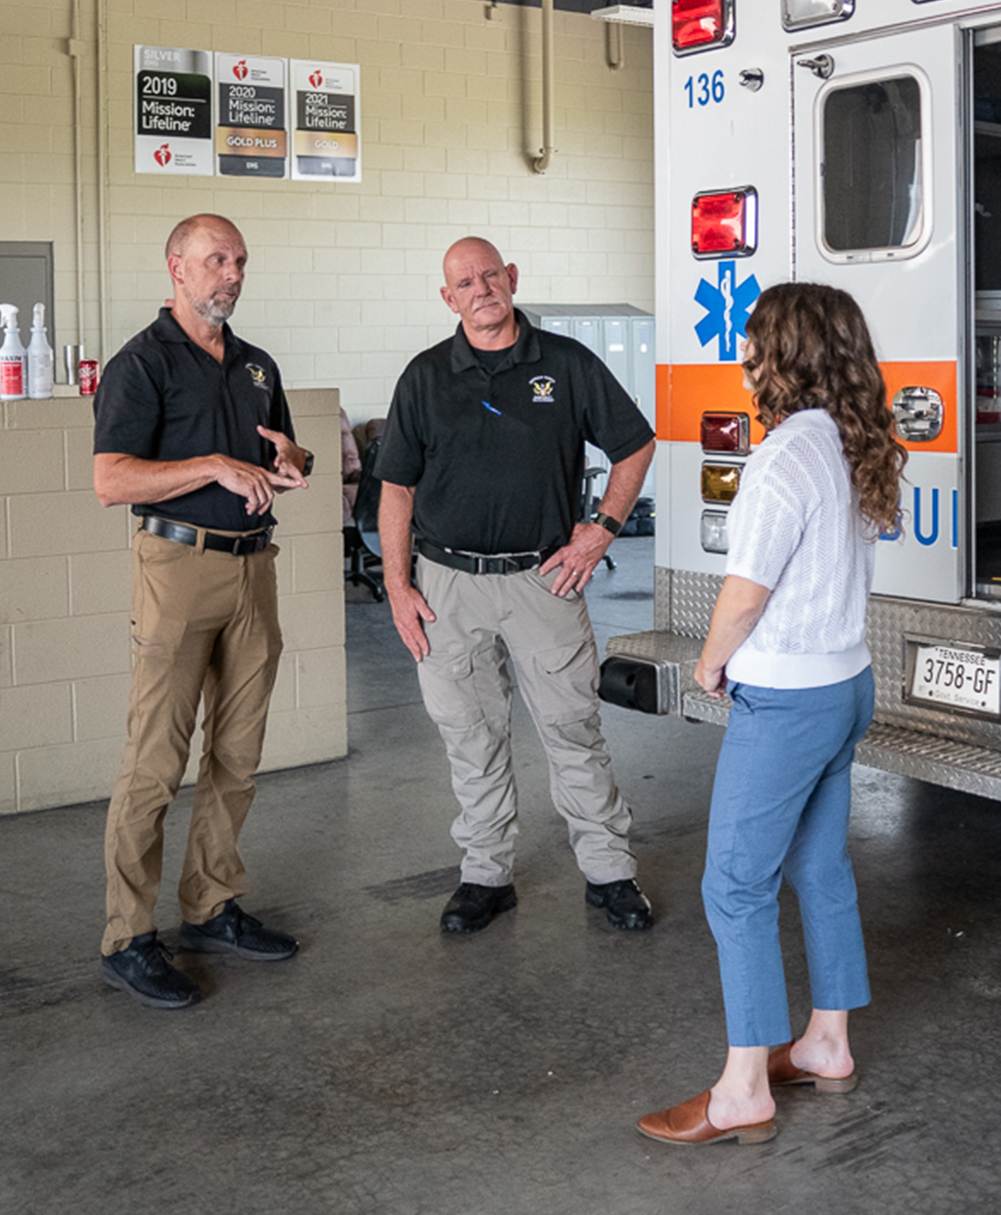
(725, 223)
(729, 432)
(700, 25)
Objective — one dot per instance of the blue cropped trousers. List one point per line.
(780, 808)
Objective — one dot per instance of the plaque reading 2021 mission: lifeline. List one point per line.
(326, 142)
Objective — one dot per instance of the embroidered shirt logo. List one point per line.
(258, 375)
(543, 387)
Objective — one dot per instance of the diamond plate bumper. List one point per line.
(944, 748)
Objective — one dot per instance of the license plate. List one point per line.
(958, 679)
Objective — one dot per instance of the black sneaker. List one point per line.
(472, 907)
(626, 906)
(233, 931)
(141, 969)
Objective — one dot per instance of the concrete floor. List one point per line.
(390, 1070)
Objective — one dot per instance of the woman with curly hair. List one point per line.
(787, 641)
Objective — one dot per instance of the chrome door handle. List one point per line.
(822, 65)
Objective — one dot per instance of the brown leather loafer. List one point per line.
(782, 1071)
(689, 1124)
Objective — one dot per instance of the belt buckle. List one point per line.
(257, 542)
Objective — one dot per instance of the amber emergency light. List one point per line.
(699, 25)
(726, 432)
(725, 223)
(720, 482)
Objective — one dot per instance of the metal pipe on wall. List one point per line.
(615, 56)
(102, 177)
(75, 50)
(541, 163)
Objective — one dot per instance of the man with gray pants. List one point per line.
(482, 463)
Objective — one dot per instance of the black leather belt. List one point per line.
(475, 563)
(236, 546)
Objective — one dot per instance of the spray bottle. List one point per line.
(39, 357)
(13, 360)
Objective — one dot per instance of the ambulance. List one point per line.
(855, 143)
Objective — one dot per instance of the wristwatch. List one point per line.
(307, 468)
(608, 523)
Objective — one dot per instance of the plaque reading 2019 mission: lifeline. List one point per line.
(173, 111)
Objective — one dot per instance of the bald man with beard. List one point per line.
(482, 466)
(192, 429)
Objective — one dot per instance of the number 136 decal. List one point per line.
(703, 89)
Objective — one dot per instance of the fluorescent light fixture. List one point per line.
(624, 14)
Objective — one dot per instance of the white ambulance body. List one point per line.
(856, 143)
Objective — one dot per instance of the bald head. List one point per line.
(479, 287)
(181, 237)
(470, 246)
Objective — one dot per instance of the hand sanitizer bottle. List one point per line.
(39, 358)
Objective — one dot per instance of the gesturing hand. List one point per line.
(257, 485)
(289, 457)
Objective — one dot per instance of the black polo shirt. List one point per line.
(163, 397)
(497, 456)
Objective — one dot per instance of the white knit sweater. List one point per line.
(795, 528)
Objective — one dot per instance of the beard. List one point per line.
(215, 309)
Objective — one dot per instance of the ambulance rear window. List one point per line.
(872, 170)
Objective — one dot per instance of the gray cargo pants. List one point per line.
(485, 623)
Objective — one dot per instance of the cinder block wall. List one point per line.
(343, 279)
(65, 582)
(342, 289)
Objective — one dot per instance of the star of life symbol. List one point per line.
(727, 306)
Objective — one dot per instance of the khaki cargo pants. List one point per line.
(204, 623)
(487, 623)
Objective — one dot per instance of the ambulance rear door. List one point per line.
(879, 145)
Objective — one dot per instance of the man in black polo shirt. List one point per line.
(193, 429)
(483, 461)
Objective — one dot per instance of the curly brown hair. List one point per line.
(811, 349)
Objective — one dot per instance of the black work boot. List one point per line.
(142, 971)
(472, 907)
(233, 931)
(626, 906)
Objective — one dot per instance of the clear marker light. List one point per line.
(712, 531)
